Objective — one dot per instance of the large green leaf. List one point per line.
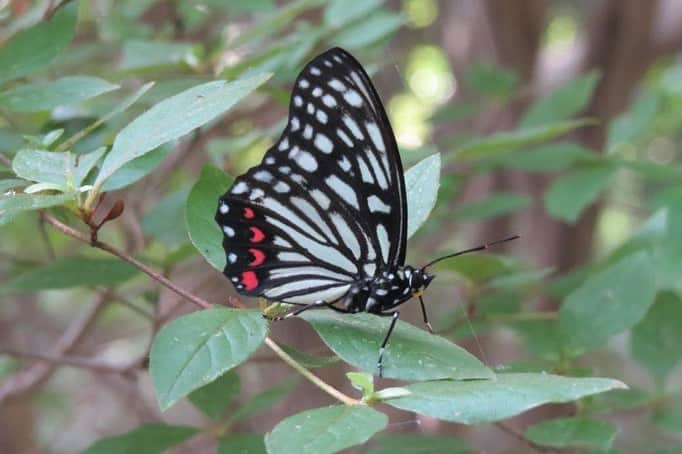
(411, 354)
(195, 349)
(562, 103)
(35, 47)
(490, 80)
(325, 430)
(71, 272)
(148, 439)
(656, 340)
(546, 157)
(200, 213)
(22, 202)
(571, 193)
(155, 221)
(608, 303)
(61, 92)
(477, 401)
(421, 183)
(145, 54)
(418, 444)
(573, 433)
(175, 117)
(134, 170)
(212, 399)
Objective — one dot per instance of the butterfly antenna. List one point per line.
(466, 251)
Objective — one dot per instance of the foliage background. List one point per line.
(591, 289)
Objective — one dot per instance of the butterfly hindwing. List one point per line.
(326, 206)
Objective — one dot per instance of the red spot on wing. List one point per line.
(258, 257)
(249, 280)
(258, 235)
(248, 213)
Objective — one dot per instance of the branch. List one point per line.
(65, 360)
(25, 381)
(51, 9)
(130, 259)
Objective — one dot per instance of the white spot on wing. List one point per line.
(348, 238)
(308, 132)
(343, 190)
(263, 175)
(317, 92)
(344, 137)
(344, 163)
(353, 98)
(353, 127)
(323, 143)
(229, 231)
(337, 85)
(231, 257)
(321, 198)
(303, 83)
(364, 171)
(315, 71)
(295, 124)
(292, 257)
(329, 101)
(377, 205)
(298, 101)
(224, 208)
(306, 161)
(375, 134)
(240, 188)
(384, 244)
(321, 116)
(283, 144)
(310, 108)
(281, 187)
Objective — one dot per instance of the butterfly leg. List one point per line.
(394, 319)
(316, 304)
(426, 319)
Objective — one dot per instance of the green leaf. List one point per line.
(325, 430)
(341, 12)
(371, 29)
(571, 193)
(137, 168)
(81, 165)
(42, 166)
(490, 80)
(200, 210)
(195, 349)
(362, 381)
(637, 121)
(213, 398)
(506, 142)
(573, 432)
(546, 158)
(411, 354)
(175, 117)
(491, 206)
(265, 400)
(148, 438)
(23, 202)
(242, 444)
(155, 221)
(146, 54)
(11, 183)
(656, 340)
(68, 272)
(564, 102)
(607, 303)
(477, 401)
(479, 267)
(307, 360)
(61, 92)
(35, 47)
(421, 184)
(418, 444)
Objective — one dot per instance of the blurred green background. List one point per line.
(558, 120)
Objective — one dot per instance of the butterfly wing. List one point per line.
(326, 207)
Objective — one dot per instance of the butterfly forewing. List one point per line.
(326, 207)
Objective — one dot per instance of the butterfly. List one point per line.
(322, 220)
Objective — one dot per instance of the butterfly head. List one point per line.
(418, 279)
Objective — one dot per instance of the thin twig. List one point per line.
(24, 381)
(65, 360)
(324, 386)
(50, 10)
(5, 160)
(130, 259)
(46, 239)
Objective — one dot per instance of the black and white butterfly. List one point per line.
(322, 220)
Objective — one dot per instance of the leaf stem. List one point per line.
(324, 386)
(130, 259)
